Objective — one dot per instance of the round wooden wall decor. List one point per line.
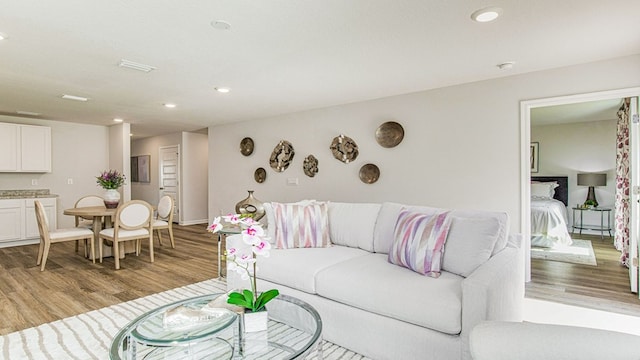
(369, 173)
(344, 148)
(389, 134)
(310, 166)
(282, 156)
(260, 175)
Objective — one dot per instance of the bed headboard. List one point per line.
(562, 191)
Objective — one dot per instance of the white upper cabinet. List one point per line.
(25, 148)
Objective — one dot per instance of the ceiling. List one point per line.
(578, 112)
(279, 56)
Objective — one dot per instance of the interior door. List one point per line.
(169, 166)
(634, 179)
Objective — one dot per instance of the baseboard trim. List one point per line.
(193, 222)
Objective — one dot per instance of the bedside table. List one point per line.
(579, 224)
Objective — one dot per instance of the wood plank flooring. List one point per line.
(603, 287)
(72, 285)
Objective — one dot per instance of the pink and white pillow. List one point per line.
(301, 225)
(419, 241)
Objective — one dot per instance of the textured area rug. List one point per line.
(89, 335)
(580, 252)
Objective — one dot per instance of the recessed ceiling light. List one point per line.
(3, 36)
(169, 105)
(220, 25)
(73, 97)
(118, 120)
(223, 90)
(135, 66)
(506, 65)
(30, 113)
(486, 14)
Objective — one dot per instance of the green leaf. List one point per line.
(238, 301)
(264, 298)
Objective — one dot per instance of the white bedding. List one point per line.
(549, 223)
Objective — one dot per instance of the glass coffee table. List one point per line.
(294, 331)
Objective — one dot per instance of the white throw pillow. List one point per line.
(469, 244)
(544, 190)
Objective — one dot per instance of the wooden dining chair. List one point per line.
(87, 222)
(164, 220)
(133, 221)
(48, 237)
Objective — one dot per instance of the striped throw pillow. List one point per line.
(419, 241)
(301, 226)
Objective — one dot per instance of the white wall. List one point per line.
(569, 149)
(79, 152)
(194, 161)
(119, 156)
(461, 147)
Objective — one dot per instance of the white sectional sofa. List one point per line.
(385, 311)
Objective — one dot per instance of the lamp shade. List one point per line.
(592, 179)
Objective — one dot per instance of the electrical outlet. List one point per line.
(34, 182)
(69, 181)
(292, 181)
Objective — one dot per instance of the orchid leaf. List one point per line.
(264, 298)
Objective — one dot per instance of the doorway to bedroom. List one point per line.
(570, 138)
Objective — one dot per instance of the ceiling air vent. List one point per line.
(135, 66)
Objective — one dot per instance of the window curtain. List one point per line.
(621, 241)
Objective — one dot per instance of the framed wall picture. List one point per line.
(534, 156)
(140, 168)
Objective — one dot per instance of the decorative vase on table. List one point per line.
(111, 198)
(254, 321)
(250, 206)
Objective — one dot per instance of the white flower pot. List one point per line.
(254, 321)
(111, 198)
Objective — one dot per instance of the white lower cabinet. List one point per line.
(18, 224)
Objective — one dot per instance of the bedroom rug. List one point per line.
(89, 335)
(580, 252)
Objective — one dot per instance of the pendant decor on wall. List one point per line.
(344, 148)
(282, 156)
(310, 166)
(369, 173)
(389, 134)
(246, 146)
(260, 175)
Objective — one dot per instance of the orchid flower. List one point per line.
(215, 226)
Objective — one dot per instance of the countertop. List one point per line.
(26, 194)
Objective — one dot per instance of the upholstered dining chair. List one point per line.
(48, 237)
(87, 222)
(133, 221)
(164, 220)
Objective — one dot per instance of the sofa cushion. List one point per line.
(371, 283)
(419, 241)
(352, 224)
(469, 244)
(269, 219)
(301, 226)
(383, 233)
(297, 268)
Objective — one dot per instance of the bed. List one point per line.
(549, 198)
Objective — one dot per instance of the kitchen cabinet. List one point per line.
(25, 148)
(18, 224)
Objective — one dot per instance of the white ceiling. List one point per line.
(280, 56)
(578, 112)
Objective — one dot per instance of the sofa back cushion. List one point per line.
(301, 226)
(467, 242)
(352, 224)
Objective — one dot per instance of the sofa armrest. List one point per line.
(494, 291)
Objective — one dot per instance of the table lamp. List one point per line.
(592, 180)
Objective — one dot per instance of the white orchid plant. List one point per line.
(245, 264)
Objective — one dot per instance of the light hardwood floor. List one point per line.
(603, 287)
(71, 284)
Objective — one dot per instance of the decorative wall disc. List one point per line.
(369, 173)
(246, 146)
(344, 148)
(310, 166)
(389, 134)
(260, 175)
(282, 156)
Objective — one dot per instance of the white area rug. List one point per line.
(89, 335)
(580, 252)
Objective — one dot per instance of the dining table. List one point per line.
(98, 213)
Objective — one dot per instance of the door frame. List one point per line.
(178, 205)
(525, 139)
